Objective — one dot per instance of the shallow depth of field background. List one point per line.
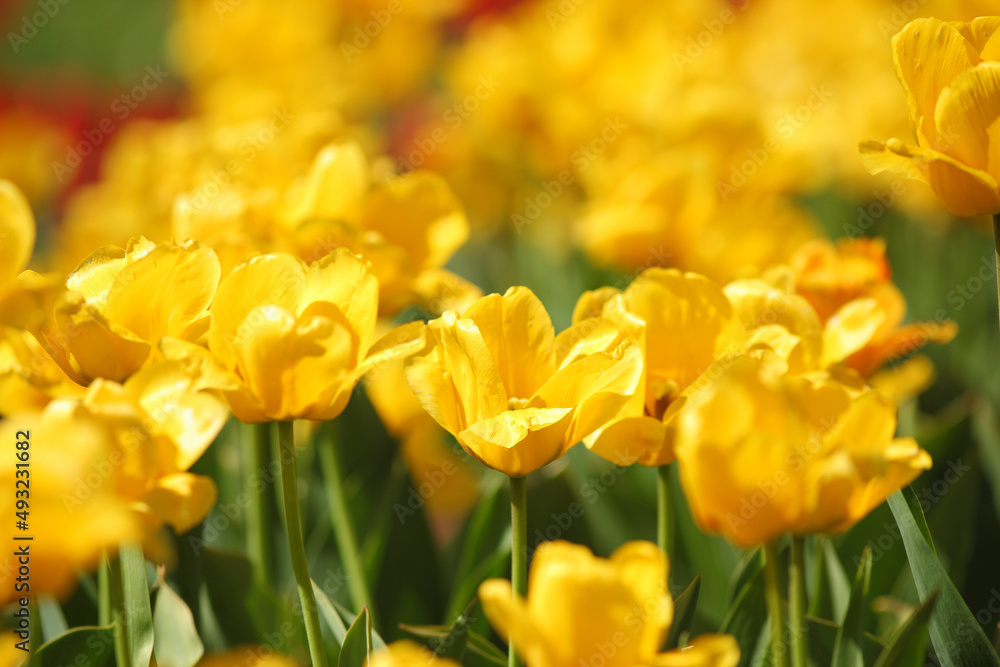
(93, 51)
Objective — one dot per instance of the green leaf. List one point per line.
(351, 619)
(134, 639)
(907, 645)
(175, 639)
(684, 607)
(94, 644)
(746, 619)
(51, 617)
(357, 646)
(329, 614)
(957, 637)
(453, 645)
(485, 545)
(847, 647)
(476, 644)
(987, 432)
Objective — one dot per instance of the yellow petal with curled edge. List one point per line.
(164, 292)
(182, 500)
(964, 190)
(517, 442)
(928, 54)
(99, 348)
(17, 232)
(266, 280)
(519, 335)
(95, 275)
(965, 114)
(346, 280)
(849, 329)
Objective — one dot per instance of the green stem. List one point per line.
(996, 250)
(258, 454)
(104, 613)
(774, 606)
(797, 602)
(343, 527)
(665, 509)
(293, 527)
(519, 549)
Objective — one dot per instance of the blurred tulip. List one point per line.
(406, 653)
(953, 106)
(579, 606)
(66, 456)
(298, 337)
(763, 454)
(515, 395)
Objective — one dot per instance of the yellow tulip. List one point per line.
(29, 379)
(17, 233)
(834, 279)
(691, 329)
(515, 395)
(763, 454)
(296, 338)
(247, 656)
(584, 611)
(405, 653)
(441, 472)
(65, 456)
(120, 303)
(951, 76)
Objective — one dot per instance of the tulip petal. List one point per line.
(928, 54)
(520, 338)
(94, 276)
(965, 191)
(271, 280)
(345, 279)
(17, 232)
(337, 180)
(685, 315)
(183, 500)
(710, 650)
(850, 329)
(643, 569)
(517, 442)
(628, 440)
(392, 347)
(965, 112)
(99, 349)
(507, 613)
(165, 291)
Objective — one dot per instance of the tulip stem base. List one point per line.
(343, 526)
(293, 529)
(797, 602)
(519, 549)
(665, 509)
(772, 591)
(258, 453)
(996, 251)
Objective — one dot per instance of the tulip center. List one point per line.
(514, 403)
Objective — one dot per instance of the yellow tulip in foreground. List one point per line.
(66, 457)
(585, 611)
(120, 302)
(297, 338)
(515, 395)
(951, 75)
(764, 454)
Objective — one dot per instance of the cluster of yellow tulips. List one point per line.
(309, 227)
